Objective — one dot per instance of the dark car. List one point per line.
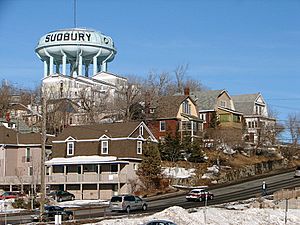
(51, 211)
(61, 196)
(12, 195)
(160, 222)
(127, 203)
(199, 195)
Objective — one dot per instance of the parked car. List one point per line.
(12, 194)
(50, 212)
(127, 203)
(297, 171)
(61, 196)
(160, 222)
(199, 195)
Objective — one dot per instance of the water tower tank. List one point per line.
(72, 51)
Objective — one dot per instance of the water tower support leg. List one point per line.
(64, 65)
(95, 65)
(45, 68)
(80, 66)
(51, 65)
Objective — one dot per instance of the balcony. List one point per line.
(103, 178)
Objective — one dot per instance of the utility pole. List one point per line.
(43, 152)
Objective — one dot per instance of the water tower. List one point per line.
(72, 52)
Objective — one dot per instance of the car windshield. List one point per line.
(116, 199)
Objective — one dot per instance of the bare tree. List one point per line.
(5, 98)
(293, 126)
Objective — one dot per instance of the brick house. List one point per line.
(97, 161)
(171, 115)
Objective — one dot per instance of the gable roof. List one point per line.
(95, 131)
(245, 103)
(168, 106)
(207, 100)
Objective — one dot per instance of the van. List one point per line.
(127, 203)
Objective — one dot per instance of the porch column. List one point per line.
(119, 185)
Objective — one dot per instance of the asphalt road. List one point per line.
(235, 192)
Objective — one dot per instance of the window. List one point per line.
(70, 148)
(27, 157)
(224, 118)
(151, 110)
(104, 147)
(186, 107)
(162, 125)
(203, 117)
(141, 130)
(139, 148)
(114, 168)
(30, 171)
(135, 167)
(223, 104)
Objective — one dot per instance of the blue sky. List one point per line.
(238, 45)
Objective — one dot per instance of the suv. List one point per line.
(127, 203)
(199, 195)
(61, 196)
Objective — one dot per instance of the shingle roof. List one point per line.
(206, 100)
(97, 130)
(168, 106)
(10, 136)
(245, 103)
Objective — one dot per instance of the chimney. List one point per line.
(186, 91)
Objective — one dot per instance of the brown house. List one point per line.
(97, 161)
(20, 156)
(174, 115)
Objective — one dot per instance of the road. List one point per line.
(240, 191)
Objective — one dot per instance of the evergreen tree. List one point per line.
(170, 149)
(149, 170)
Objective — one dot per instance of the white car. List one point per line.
(297, 172)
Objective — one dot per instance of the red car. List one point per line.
(199, 195)
(11, 194)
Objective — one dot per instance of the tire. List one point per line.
(72, 198)
(144, 207)
(128, 209)
(200, 199)
(59, 199)
(211, 197)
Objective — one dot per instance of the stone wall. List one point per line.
(251, 170)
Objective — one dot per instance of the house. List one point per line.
(20, 157)
(174, 115)
(97, 161)
(216, 109)
(259, 125)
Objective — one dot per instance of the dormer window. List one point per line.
(104, 147)
(70, 148)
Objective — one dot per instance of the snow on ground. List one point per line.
(178, 172)
(245, 213)
(80, 203)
